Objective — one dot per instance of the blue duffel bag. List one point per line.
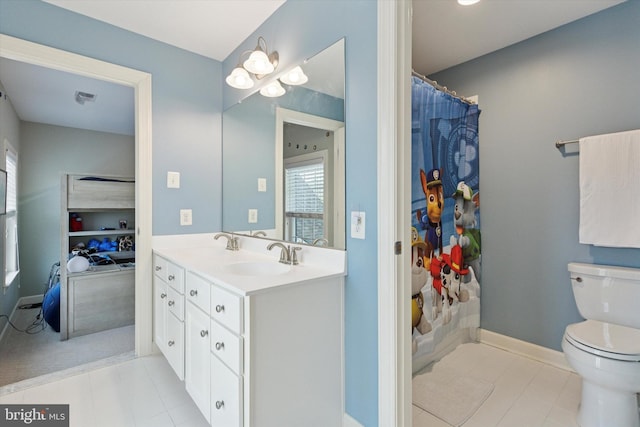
(51, 307)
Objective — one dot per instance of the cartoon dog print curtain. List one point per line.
(445, 198)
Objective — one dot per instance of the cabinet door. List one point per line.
(226, 396)
(175, 344)
(160, 311)
(197, 363)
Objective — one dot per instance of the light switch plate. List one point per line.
(185, 217)
(262, 184)
(357, 225)
(253, 216)
(173, 179)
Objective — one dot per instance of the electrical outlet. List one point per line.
(185, 217)
(262, 184)
(253, 216)
(173, 179)
(357, 225)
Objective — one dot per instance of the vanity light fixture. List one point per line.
(295, 77)
(272, 90)
(239, 78)
(467, 2)
(259, 64)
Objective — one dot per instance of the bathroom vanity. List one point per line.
(257, 342)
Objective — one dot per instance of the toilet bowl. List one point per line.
(605, 349)
(607, 358)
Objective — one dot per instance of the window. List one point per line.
(12, 265)
(304, 197)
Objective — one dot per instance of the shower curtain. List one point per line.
(445, 202)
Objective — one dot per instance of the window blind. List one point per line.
(304, 200)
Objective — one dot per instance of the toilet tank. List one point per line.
(607, 293)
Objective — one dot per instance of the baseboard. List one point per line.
(523, 348)
(32, 299)
(348, 421)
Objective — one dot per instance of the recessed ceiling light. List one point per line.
(467, 2)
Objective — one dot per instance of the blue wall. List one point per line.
(300, 29)
(187, 107)
(578, 80)
(187, 104)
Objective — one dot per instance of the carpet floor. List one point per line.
(28, 355)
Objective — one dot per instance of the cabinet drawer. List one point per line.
(175, 277)
(227, 346)
(198, 291)
(160, 267)
(175, 345)
(226, 308)
(175, 301)
(226, 396)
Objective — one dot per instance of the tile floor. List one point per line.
(145, 392)
(526, 392)
(142, 392)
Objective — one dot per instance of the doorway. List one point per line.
(32, 53)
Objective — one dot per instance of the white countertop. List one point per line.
(208, 258)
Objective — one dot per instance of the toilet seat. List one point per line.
(605, 339)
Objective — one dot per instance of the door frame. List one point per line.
(284, 115)
(394, 211)
(33, 53)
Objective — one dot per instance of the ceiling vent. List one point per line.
(82, 97)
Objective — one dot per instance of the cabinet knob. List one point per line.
(219, 346)
(193, 292)
(171, 303)
(204, 333)
(163, 295)
(158, 268)
(219, 308)
(171, 343)
(219, 404)
(171, 277)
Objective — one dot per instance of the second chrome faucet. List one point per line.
(287, 253)
(232, 241)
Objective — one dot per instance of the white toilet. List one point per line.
(605, 349)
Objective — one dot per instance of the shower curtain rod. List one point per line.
(441, 88)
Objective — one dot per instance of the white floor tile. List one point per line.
(526, 392)
(145, 392)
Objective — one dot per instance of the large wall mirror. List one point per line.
(283, 158)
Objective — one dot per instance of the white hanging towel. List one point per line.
(610, 190)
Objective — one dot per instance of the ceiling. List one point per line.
(444, 34)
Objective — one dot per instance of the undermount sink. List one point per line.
(257, 268)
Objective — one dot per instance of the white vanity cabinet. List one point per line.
(261, 351)
(168, 312)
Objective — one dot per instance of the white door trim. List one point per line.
(394, 167)
(284, 115)
(45, 56)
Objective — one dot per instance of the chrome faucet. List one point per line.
(320, 242)
(287, 253)
(259, 233)
(232, 241)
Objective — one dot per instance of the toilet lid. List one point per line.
(606, 339)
